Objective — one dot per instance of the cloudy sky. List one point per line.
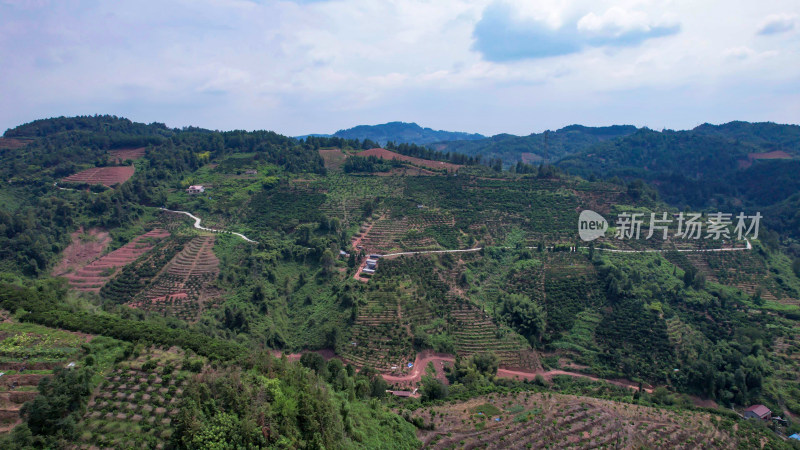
(481, 66)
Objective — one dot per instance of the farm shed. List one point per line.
(758, 412)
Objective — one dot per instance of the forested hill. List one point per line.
(537, 147)
(770, 136)
(98, 123)
(403, 133)
(728, 166)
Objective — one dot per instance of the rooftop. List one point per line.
(760, 410)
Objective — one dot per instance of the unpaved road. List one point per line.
(439, 359)
(197, 221)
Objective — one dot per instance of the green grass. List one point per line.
(487, 409)
(376, 428)
(37, 343)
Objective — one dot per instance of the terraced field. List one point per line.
(135, 277)
(532, 420)
(13, 144)
(347, 195)
(571, 285)
(744, 270)
(92, 277)
(85, 247)
(29, 353)
(436, 308)
(182, 288)
(136, 404)
(389, 155)
(475, 332)
(334, 158)
(787, 366)
(379, 338)
(107, 176)
(123, 154)
(425, 231)
(383, 235)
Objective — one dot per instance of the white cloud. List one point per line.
(614, 22)
(739, 52)
(777, 23)
(301, 67)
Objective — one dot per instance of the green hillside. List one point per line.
(536, 148)
(483, 289)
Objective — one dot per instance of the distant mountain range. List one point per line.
(534, 148)
(401, 133)
(737, 165)
(537, 147)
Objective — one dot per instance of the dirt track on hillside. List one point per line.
(440, 359)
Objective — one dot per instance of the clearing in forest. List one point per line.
(95, 275)
(107, 176)
(123, 154)
(12, 144)
(334, 158)
(389, 155)
(85, 247)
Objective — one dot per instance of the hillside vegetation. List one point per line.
(201, 338)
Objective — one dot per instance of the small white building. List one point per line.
(196, 189)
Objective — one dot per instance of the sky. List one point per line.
(487, 66)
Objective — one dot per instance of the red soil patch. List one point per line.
(107, 176)
(703, 402)
(12, 144)
(84, 248)
(777, 154)
(334, 158)
(529, 158)
(95, 275)
(387, 154)
(126, 153)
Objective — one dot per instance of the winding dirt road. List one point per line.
(438, 360)
(197, 221)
